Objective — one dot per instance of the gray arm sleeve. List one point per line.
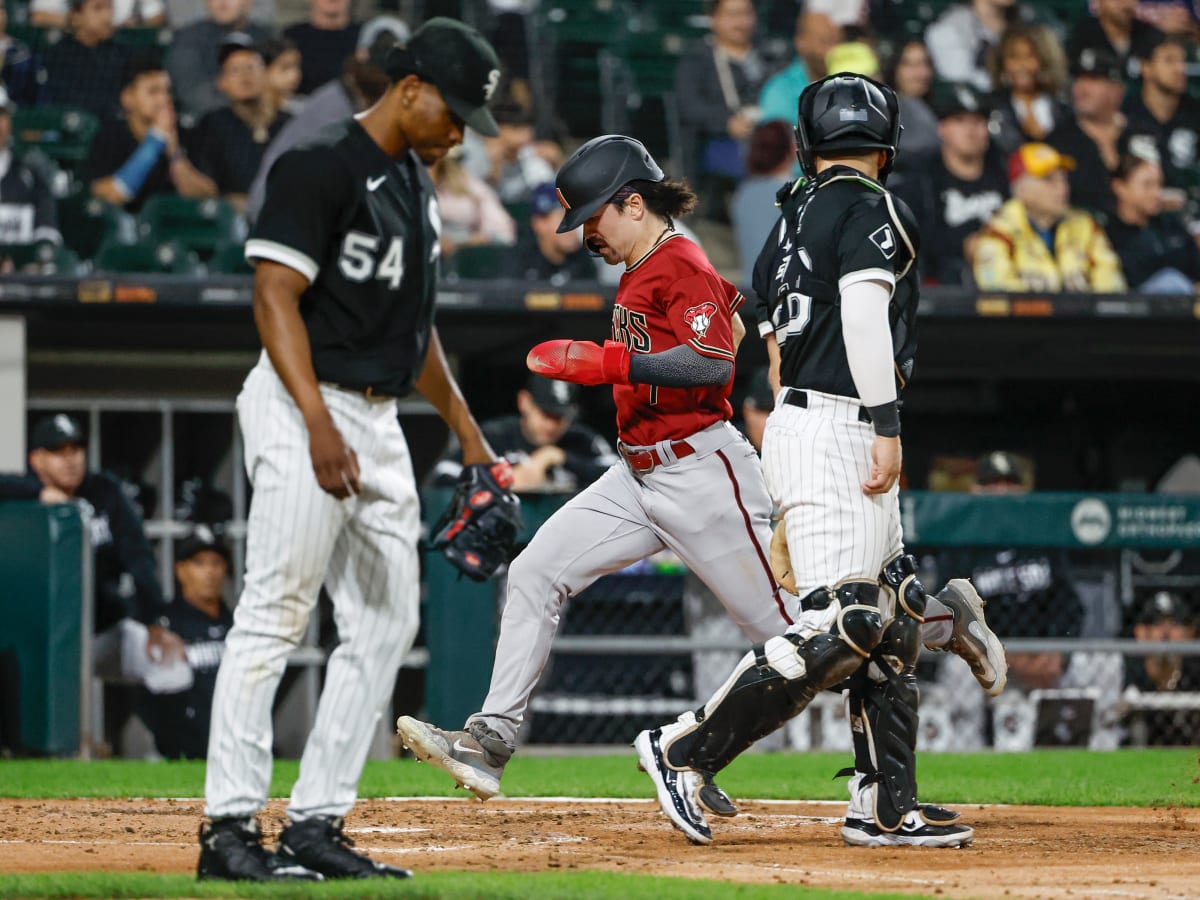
(678, 367)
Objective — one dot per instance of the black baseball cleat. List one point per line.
(914, 831)
(232, 850)
(938, 815)
(320, 844)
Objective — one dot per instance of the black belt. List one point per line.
(369, 392)
(796, 397)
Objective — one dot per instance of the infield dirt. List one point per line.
(1019, 851)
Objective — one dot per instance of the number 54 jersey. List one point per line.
(835, 230)
(363, 228)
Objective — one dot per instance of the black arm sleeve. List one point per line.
(129, 538)
(19, 487)
(678, 367)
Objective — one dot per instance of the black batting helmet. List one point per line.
(596, 171)
(847, 112)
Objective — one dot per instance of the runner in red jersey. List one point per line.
(687, 479)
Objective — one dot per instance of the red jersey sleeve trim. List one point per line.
(736, 303)
(706, 350)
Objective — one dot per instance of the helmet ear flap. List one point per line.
(893, 105)
(804, 151)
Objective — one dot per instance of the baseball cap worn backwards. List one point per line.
(456, 59)
(1038, 160)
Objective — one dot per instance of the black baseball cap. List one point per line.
(55, 432)
(554, 398)
(1163, 605)
(202, 538)
(955, 99)
(237, 42)
(1097, 62)
(459, 61)
(998, 467)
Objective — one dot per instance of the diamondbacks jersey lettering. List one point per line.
(363, 228)
(840, 228)
(673, 296)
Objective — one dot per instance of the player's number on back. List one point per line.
(359, 259)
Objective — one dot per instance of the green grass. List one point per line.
(492, 885)
(1048, 777)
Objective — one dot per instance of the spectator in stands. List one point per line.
(131, 643)
(962, 37)
(816, 34)
(84, 68)
(1174, 17)
(957, 195)
(472, 215)
(325, 41)
(911, 74)
(229, 143)
(27, 211)
(769, 162)
(283, 74)
(180, 720)
(1036, 242)
(181, 13)
(1164, 110)
(1163, 617)
(548, 449)
(138, 155)
(1092, 133)
(363, 81)
(21, 71)
(126, 13)
(1029, 71)
(1115, 30)
(717, 85)
(192, 60)
(757, 405)
(545, 255)
(515, 167)
(1157, 253)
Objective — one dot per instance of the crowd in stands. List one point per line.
(1039, 141)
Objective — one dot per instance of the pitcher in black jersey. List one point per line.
(838, 288)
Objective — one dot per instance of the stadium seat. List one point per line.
(31, 36)
(43, 258)
(199, 225)
(143, 37)
(487, 261)
(167, 257)
(63, 133)
(230, 259)
(520, 211)
(87, 222)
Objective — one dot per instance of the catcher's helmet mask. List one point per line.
(847, 112)
(597, 171)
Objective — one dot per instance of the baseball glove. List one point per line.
(781, 559)
(477, 533)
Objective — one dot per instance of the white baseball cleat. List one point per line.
(972, 639)
(466, 757)
(677, 789)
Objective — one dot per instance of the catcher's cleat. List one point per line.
(938, 815)
(472, 757)
(677, 789)
(232, 850)
(972, 639)
(716, 801)
(914, 831)
(321, 845)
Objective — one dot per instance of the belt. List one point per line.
(369, 392)
(648, 460)
(797, 397)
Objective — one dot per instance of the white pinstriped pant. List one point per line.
(365, 551)
(815, 460)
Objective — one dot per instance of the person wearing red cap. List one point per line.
(1036, 241)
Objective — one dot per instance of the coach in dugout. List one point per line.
(132, 644)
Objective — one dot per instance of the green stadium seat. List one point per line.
(143, 37)
(32, 36)
(166, 257)
(486, 261)
(63, 133)
(199, 225)
(42, 258)
(230, 259)
(520, 211)
(87, 222)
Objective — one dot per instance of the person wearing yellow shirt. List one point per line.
(1036, 241)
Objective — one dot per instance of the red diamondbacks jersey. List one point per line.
(673, 296)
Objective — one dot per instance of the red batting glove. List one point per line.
(581, 361)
